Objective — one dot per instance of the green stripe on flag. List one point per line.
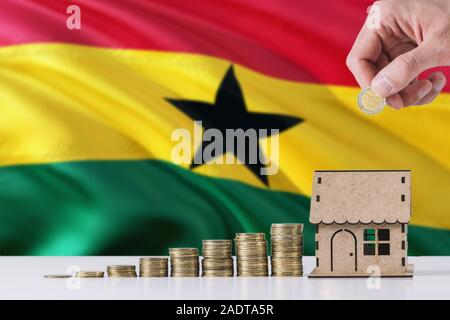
(144, 207)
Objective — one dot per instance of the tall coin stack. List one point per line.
(184, 262)
(287, 249)
(121, 271)
(153, 267)
(217, 260)
(251, 255)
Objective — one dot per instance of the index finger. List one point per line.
(364, 55)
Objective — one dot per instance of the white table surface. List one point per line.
(22, 278)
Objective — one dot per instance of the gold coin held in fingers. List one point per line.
(369, 102)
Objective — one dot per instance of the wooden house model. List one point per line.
(361, 220)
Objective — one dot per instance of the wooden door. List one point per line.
(343, 252)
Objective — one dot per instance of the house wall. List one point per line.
(389, 264)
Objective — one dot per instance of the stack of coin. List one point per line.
(89, 274)
(217, 260)
(251, 255)
(153, 267)
(119, 271)
(184, 262)
(287, 249)
(57, 276)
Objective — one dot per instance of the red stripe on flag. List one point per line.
(298, 40)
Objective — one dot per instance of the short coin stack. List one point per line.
(251, 255)
(217, 260)
(287, 249)
(153, 267)
(57, 276)
(184, 262)
(89, 274)
(121, 271)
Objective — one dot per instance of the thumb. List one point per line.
(401, 71)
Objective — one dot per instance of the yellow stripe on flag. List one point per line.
(69, 102)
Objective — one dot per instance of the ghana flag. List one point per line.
(87, 116)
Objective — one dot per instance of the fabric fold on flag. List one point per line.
(85, 135)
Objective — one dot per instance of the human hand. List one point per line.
(413, 36)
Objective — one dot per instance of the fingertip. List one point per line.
(429, 98)
(437, 75)
(382, 86)
(438, 81)
(438, 86)
(426, 87)
(416, 91)
(395, 101)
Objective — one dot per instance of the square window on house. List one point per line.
(369, 234)
(369, 249)
(384, 249)
(383, 234)
(319, 180)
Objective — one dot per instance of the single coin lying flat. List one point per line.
(369, 102)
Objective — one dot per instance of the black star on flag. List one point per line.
(229, 112)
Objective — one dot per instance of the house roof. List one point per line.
(371, 196)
